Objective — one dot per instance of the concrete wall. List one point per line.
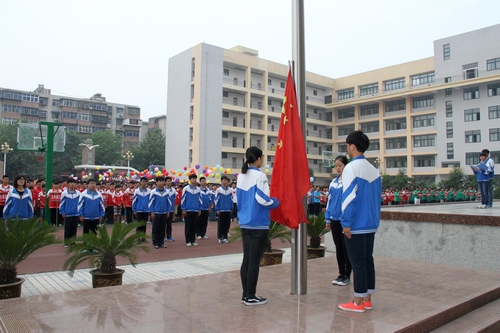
(467, 246)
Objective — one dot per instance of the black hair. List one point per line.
(144, 178)
(224, 177)
(91, 180)
(17, 178)
(5, 176)
(167, 178)
(486, 151)
(160, 179)
(342, 159)
(359, 139)
(252, 155)
(71, 180)
(202, 177)
(193, 175)
(483, 154)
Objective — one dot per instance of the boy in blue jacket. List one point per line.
(68, 208)
(223, 208)
(191, 209)
(91, 208)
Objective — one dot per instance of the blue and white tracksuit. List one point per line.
(68, 205)
(140, 201)
(334, 203)
(18, 206)
(91, 205)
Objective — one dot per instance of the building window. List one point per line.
(346, 113)
(395, 143)
(493, 64)
(225, 135)
(345, 130)
(450, 152)
(471, 158)
(132, 133)
(223, 155)
(282, 85)
(423, 101)
(449, 129)
(369, 109)
(424, 141)
(225, 114)
(493, 89)
(342, 147)
(449, 109)
(84, 116)
(424, 161)
(226, 72)
(133, 111)
(235, 142)
(494, 112)
(398, 105)
(418, 80)
(423, 121)
(471, 93)
(374, 145)
(448, 92)
(315, 92)
(396, 162)
(225, 94)
(345, 94)
(395, 124)
(494, 134)
(395, 84)
(470, 71)
(369, 89)
(370, 127)
(472, 136)
(446, 52)
(472, 115)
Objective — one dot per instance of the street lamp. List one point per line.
(5, 149)
(128, 156)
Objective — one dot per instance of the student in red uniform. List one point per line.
(128, 197)
(41, 202)
(5, 188)
(54, 195)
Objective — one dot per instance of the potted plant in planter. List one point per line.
(101, 250)
(18, 239)
(315, 229)
(276, 231)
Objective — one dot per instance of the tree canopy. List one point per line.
(150, 151)
(109, 151)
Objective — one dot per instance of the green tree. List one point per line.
(109, 151)
(19, 162)
(455, 179)
(150, 151)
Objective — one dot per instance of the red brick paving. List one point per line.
(51, 258)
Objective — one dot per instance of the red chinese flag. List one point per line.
(290, 178)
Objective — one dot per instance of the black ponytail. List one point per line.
(251, 155)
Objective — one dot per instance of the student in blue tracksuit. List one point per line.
(254, 206)
(191, 209)
(91, 208)
(206, 201)
(490, 164)
(481, 171)
(19, 202)
(360, 219)
(68, 208)
(140, 206)
(223, 209)
(172, 193)
(333, 214)
(159, 207)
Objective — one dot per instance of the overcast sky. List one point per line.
(120, 48)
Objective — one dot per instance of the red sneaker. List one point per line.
(368, 305)
(352, 307)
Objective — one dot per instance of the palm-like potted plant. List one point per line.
(101, 250)
(276, 231)
(315, 229)
(19, 239)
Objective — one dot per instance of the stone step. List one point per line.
(485, 319)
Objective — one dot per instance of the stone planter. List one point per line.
(100, 280)
(313, 253)
(11, 290)
(274, 257)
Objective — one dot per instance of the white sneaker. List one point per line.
(199, 237)
(205, 237)
(188, 244)
(225, 240)
(194, 244)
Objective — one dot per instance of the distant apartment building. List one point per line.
(424, 116)
(220, 102)
(79, 115)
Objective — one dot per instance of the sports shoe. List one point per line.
(225, 240)
(194, 244)
(351, 306)
(337, 280)
(157, 247)
(220, 241)
(205, 237)
(345, 281)
(255, 300)
(189, 244)
(368, 305)
(163, 246)
(199, 237)
(170, 239)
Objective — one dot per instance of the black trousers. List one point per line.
(224, 224)
(142, 217)
(110, 214)
(169, 225)
(159, 223)
(55, 218)
(340, 249)
(202, 223)
(360, 250)
(90, 225)
(254, 242)
(70, 227)
(191, 219)
(128, 214)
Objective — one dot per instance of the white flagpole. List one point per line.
(299, 236)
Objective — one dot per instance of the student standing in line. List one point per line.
(5, 188)
(91, 208)
(223, 208)
(206, 201)
(254, 206)
(332, 216)
(191, 209)
(172, 193)
(360, 219)
(18, 203)
(69, 210)
(140, 206)
(490, 164)
(159, 207)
